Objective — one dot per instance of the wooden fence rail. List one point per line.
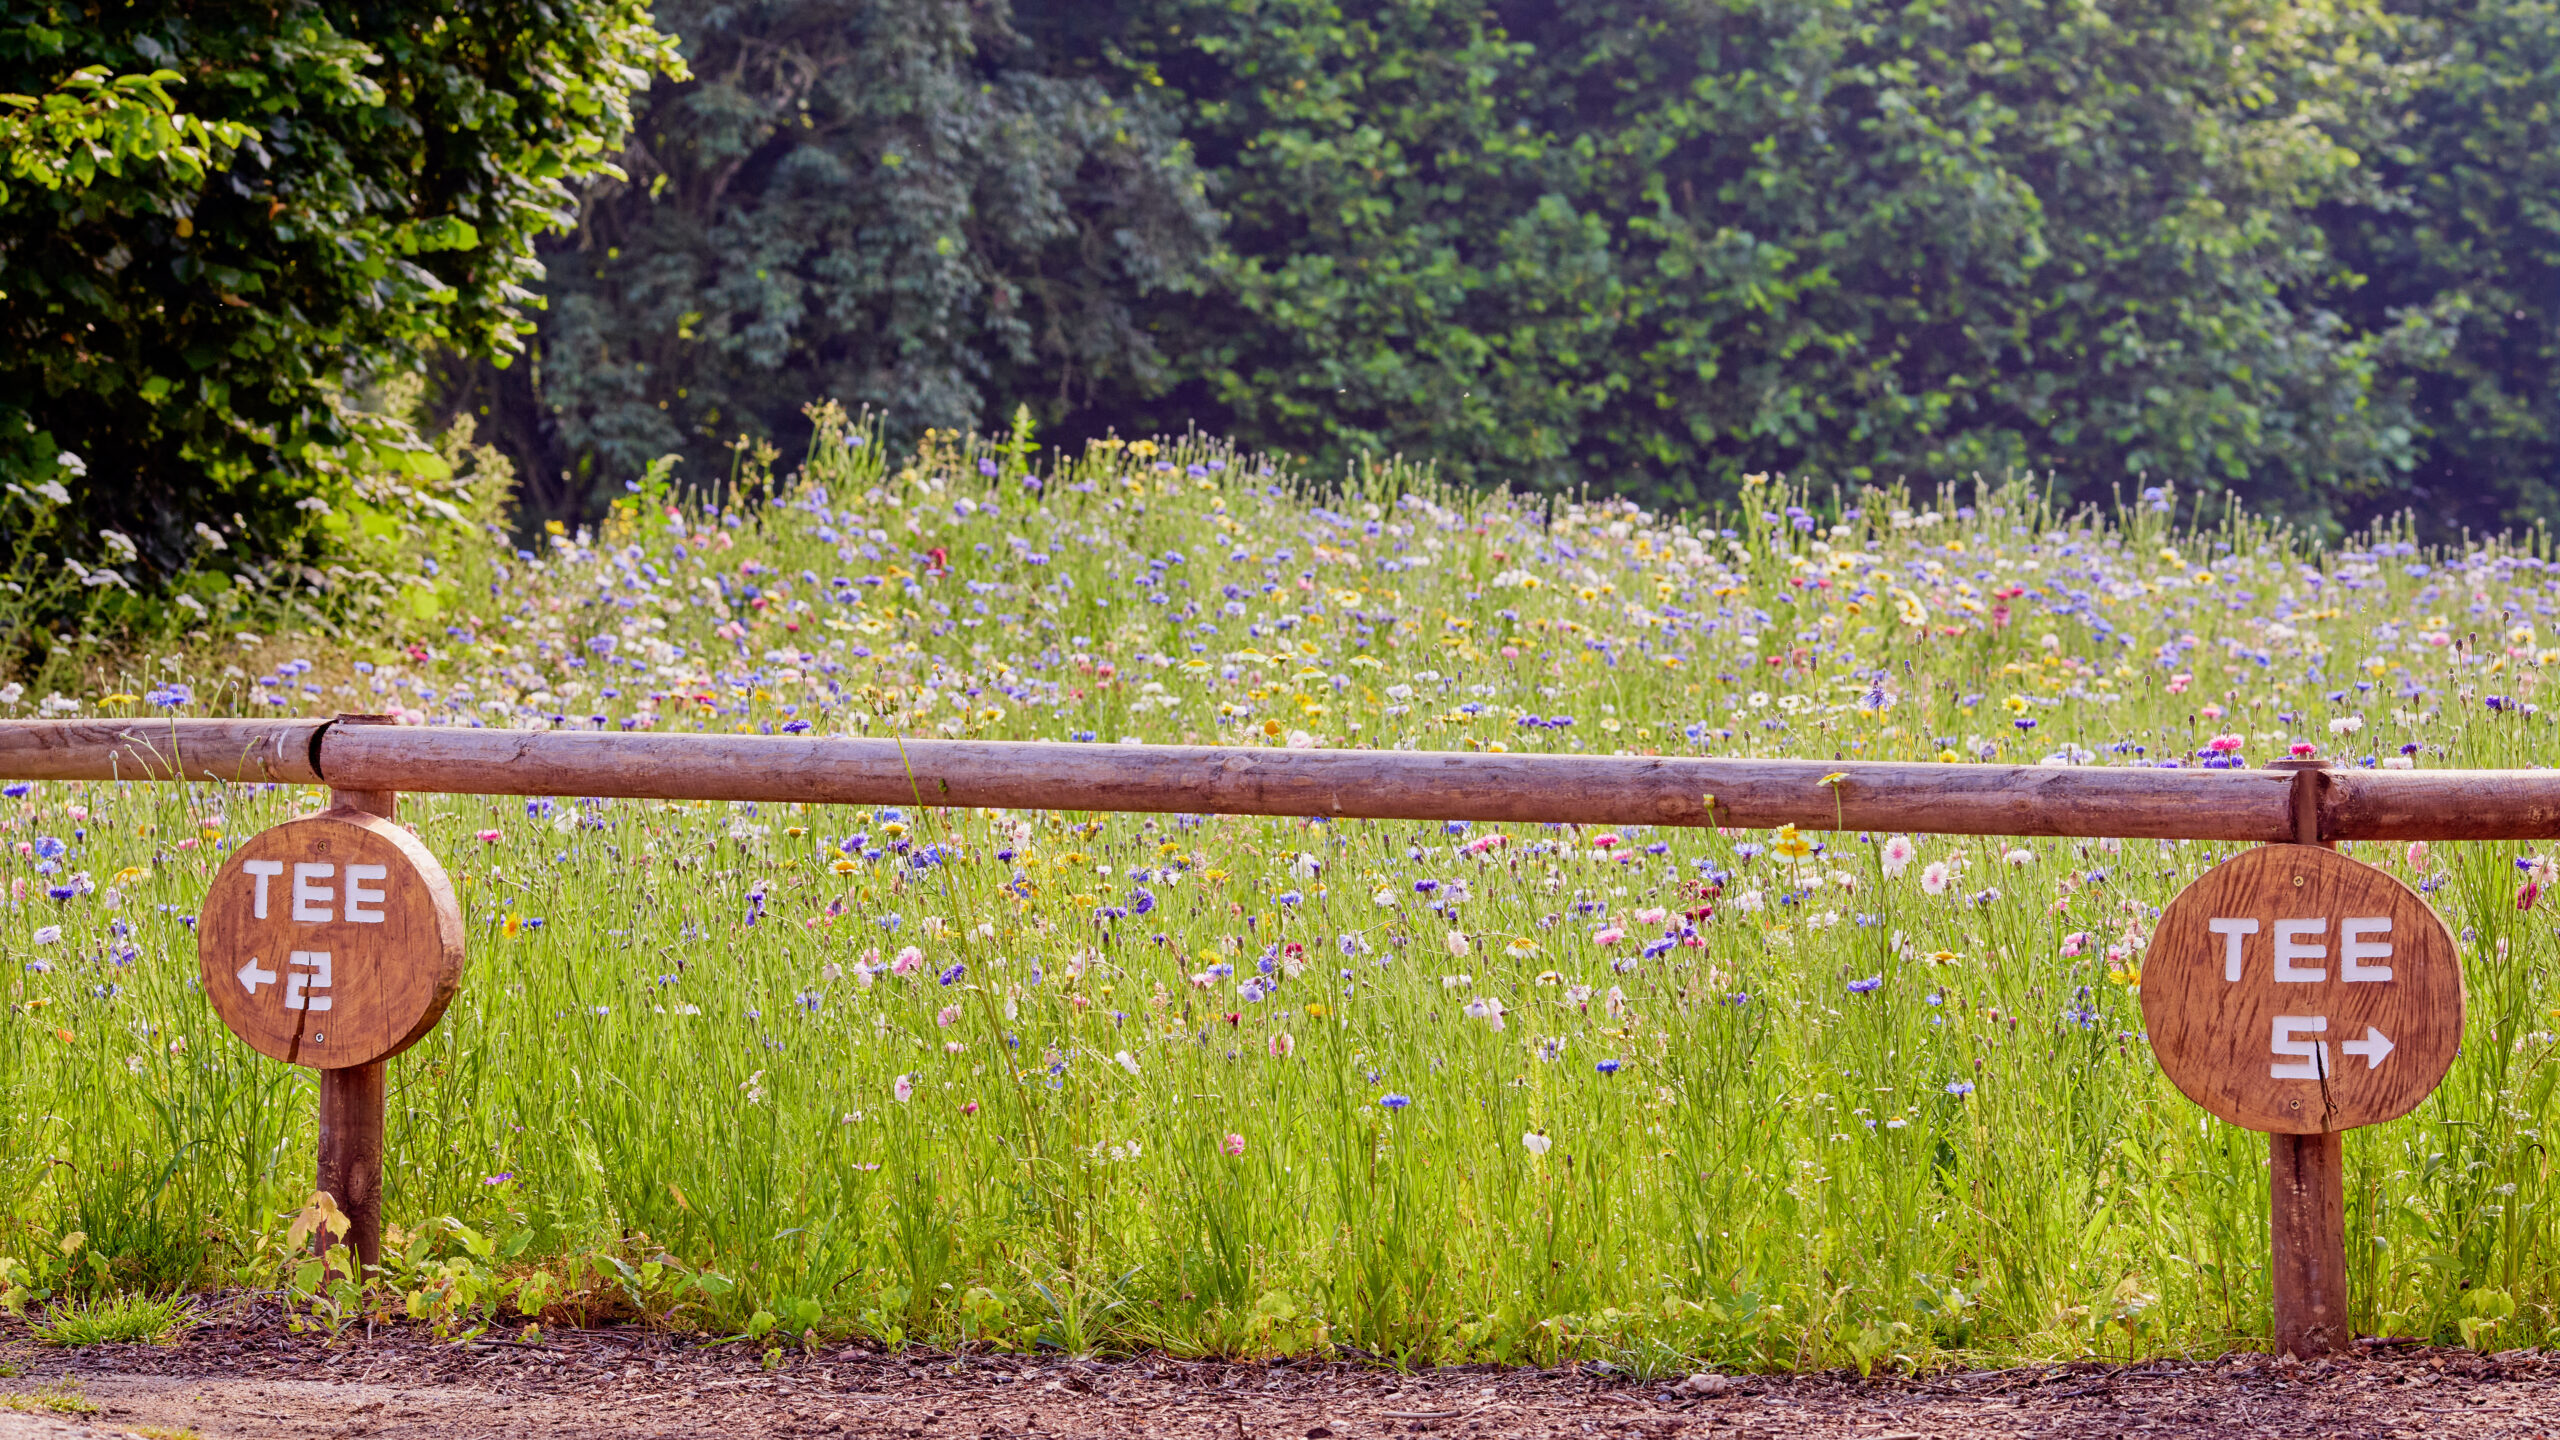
(1951, 799)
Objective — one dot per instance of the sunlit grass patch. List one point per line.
(124, 1318)
(64, 1399)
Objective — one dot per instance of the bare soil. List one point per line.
(246, 1377)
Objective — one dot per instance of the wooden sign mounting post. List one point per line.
(2292, 990)
(2307, 1184)
(334, 941)
(352, 1100)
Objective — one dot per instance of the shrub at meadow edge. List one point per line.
(228, 231)
(1247, 1085)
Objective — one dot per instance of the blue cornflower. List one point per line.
(1867, 986)
(1607, 1067)
(1959, 1087)
(952, 975)
(1393, 1101)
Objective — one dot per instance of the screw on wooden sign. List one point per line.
(331, 941)
(2293, 990)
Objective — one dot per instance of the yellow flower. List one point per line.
(1317, 1012)
(1790, 844)
(844, 866)
(129, 874)
(2015, 704)
(1271, 728)
(1944, 957)
(1833, 779)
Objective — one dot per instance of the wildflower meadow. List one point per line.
(1244, 1086)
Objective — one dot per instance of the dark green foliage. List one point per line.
(188, 347)
(889, 203)
(1654, 246)
(2468, 237)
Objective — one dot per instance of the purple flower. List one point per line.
(952, 975)
(1607, 1067)
(1393, 1101)
(1867, 986)
(1959, 1087)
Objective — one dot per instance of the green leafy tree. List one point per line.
(887, 203)
(2462, 233)
(1654, 246)
(227, 225)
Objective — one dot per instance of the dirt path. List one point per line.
(251, 1380)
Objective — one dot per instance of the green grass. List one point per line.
(64, 1399)
(689, 1077)
(123, 1318)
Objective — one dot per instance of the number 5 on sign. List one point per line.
(331, 941)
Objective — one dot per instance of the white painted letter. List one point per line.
(296, 982)
(2231, 931)
(262, 869)
(2314, 1063)
(2289, 948)
(307, 896)
(2352, 951)
(357, 895)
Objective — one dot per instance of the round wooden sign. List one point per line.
(330, 941)
(2293, 990)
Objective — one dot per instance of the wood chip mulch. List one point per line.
(245, 1375)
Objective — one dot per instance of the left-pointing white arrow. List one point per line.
(2372, 1047)
(251, 977)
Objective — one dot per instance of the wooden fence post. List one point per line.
(352, 1100)
(2307, 1181)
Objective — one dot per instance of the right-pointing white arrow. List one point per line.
(2372, 1047)
(251, 977)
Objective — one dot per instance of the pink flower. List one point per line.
(969, 1109)
(1607, 935)
(1935, 876)
(2304, 750)
(904, 1089)
(2178, 683)
(2416, 855)
(908, 961)
(488, 837)
(2526, 896)
(1605, 840)
(948, 1017)
(1897, 855)
(2224, 744)
(2075, 944)
(1233, 1144)
(2211, 712)
(1652, 915)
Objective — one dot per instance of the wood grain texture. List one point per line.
(1361, 784)
(2307, 1234)
(2442, 805)
(349, 1155)
(389, 981)
(2216, 1039)
(159, 749)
